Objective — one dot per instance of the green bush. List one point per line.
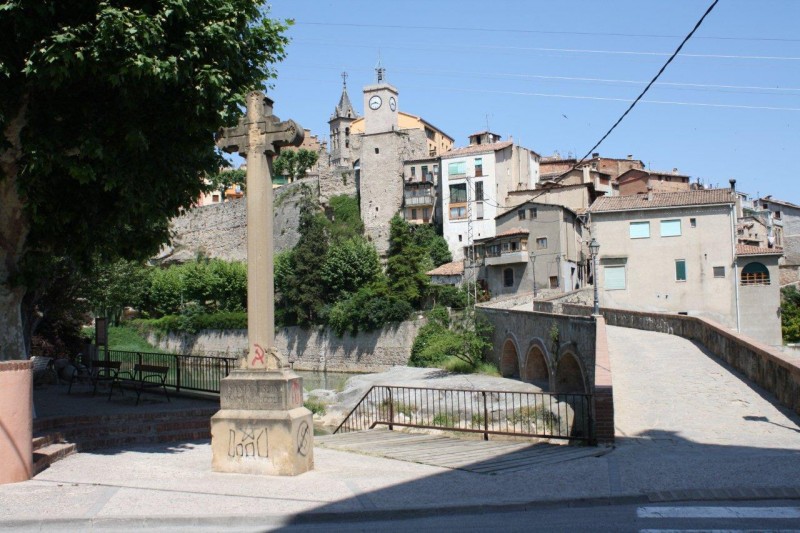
(315, 405)
(371, 308)
(444, 420)
(191, 322)
(790, 314)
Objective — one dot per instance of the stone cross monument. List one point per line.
(262, 426)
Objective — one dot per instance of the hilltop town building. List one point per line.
(678, 252)
(476, 181)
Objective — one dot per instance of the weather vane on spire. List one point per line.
(344, 81)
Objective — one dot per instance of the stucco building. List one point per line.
(476, 181)
(536, 245)
(678, 252)
(785, 216)
(639, 181)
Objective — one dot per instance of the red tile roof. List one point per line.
(662, 199)
(746, 249)
(456, 268)
(513, 231)
(477, 149)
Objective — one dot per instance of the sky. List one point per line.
(555, 76)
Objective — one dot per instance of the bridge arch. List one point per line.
(536, 368)
(570, 374)
(509, 358)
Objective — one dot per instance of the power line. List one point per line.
(472, 48)
(658, 74)
(488, 75)
(541, 32)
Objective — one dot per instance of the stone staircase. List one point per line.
(58, 437)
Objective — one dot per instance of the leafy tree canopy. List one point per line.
(107, 111)
(294, 163)
(225, 179)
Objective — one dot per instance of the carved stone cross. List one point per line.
(259, 136)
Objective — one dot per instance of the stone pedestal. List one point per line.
(16, 421)
(262, 426)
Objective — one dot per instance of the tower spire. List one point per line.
(379, 70)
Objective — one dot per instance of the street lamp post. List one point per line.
(594, 247)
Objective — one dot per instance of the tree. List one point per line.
(225, 179)
(294, 163)
(303, 294)
(110, 287)
(434, 244)
(107, 111)
(405, 265)
(349, 266)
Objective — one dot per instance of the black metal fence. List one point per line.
(525, 414)
(186, 372)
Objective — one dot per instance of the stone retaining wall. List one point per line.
(309, 349)
(777, 372)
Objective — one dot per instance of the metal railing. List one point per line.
(525, 414)
(186, 372)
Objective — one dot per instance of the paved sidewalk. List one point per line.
(696, 448)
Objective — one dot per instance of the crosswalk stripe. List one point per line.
(718, 512)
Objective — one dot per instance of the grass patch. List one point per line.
(537, 416)
(458, 366)
(315, 405)
(444, 420)
(397, 407)
(128, 339)
(477, 421)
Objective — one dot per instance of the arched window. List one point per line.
(755, 274)
(508, 277)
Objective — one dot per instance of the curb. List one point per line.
(312, 517)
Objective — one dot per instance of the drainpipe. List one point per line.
(733, 250)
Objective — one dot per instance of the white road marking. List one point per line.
(718, 512)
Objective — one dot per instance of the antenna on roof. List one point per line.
(487, 122)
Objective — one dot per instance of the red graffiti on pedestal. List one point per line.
(259, 355)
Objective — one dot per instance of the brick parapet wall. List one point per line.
(603, 386)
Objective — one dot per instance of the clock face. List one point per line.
(392, 103)
(375, 102)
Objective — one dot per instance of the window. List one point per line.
(459, 237)
(479, 210)
(541, 243)
(670, 228)
(478, 166)
(514, 246)
(456, 169)
(425, 172)
(693, 222)
(377, 150)
(553, 282)
(755, 274)
(508, 277)
(778, 215)
(493, 250)
(425, 213)
(680, 270)
(458, 193)
(639, 230)
(413, 171)
(532, 212)
(458, 212)
(414, 214)
(521, 214)
(479, 191)
(719, 272)
(614, 277)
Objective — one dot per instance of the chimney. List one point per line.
(674, 170)
(630, 156)
(733, 184)
(649, 193)
(595, 154)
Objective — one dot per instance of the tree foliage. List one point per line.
(106, 112)
(225, 179)
(294, 164)
(346, 220)
(349, 265)
(790, 314)
(303, 299)
(406, 264)
(110, 287)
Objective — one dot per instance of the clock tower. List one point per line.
(380, 106)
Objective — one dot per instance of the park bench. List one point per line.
(143, 378)
(96, 372)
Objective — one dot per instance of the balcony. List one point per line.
(507, 258)
(422, 178)
(419, 199)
